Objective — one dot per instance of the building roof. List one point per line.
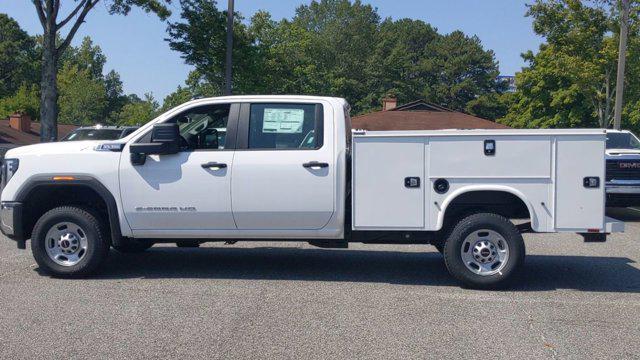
(421, 115)
(9, 135)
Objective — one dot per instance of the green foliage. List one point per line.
(201, 40)
(138, 112)
(82, 98)
(458, 69)
(86, 57)
(570, 81)
(17, 56)
(395, 64)
(86, 96)
(490, 106)
(158, 7)
(178, 97)
(337, 48)
(25, 100)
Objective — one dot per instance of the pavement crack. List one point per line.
(540, 334)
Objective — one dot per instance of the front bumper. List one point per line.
(11, 222)
(623, 193)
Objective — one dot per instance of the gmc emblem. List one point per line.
(629, 165)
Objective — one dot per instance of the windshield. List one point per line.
(622, 141)
(93, 134)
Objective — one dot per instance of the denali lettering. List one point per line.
(630, 165)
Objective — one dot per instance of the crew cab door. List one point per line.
(190, 190)
(283, 169)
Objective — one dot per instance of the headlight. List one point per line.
(9, 167)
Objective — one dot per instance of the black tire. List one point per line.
(477, 222)
(132, 246)
(94, 231)
(188, 244)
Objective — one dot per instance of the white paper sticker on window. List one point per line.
(283, 121)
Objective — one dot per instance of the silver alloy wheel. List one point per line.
(66, 243)
(485, 252)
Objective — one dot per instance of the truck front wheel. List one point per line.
(69, 241)
(484, 251)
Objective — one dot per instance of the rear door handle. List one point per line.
(214, 165)
(315, 164)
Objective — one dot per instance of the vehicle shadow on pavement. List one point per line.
(541, 272)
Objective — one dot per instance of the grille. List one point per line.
(623, 170)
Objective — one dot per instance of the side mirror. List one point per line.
(165, 140)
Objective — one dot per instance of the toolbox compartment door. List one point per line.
(388, 183)
(578, 206)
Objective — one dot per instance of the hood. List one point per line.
(622, 151)
(63, 147)
(622, 154)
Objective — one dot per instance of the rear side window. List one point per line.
(285, 126)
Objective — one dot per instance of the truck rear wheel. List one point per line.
(69, 241)
(484, 251)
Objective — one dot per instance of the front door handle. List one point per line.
(214, 165)
(315, 164)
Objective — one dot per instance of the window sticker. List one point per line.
(283, 121)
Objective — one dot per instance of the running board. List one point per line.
(329, 244)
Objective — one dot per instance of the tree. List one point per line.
(25, 100)
(340, 35)
(52, 24)
(17, 56)
(459, 69)
(87, 56)
(82, 99)
(570, 81)
(491, 106)
(201, 40)
(114, 95)
(336, 48)
(178, 97)
(394, 66)
(138, 112)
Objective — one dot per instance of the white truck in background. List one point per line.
(623, 169)
(288, 168)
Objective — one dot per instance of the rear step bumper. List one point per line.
(611, 225)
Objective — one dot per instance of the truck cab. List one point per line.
(289, 168)
(623, 169)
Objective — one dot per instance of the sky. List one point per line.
(135, 45)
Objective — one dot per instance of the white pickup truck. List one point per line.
(623, 169)
(289, 168)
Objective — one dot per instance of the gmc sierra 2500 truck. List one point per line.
(289, 168)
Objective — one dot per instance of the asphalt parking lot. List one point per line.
(273, 300)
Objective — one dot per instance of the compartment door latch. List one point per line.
(412, 182)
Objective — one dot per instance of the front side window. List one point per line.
(204, 127)
(285, 126)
